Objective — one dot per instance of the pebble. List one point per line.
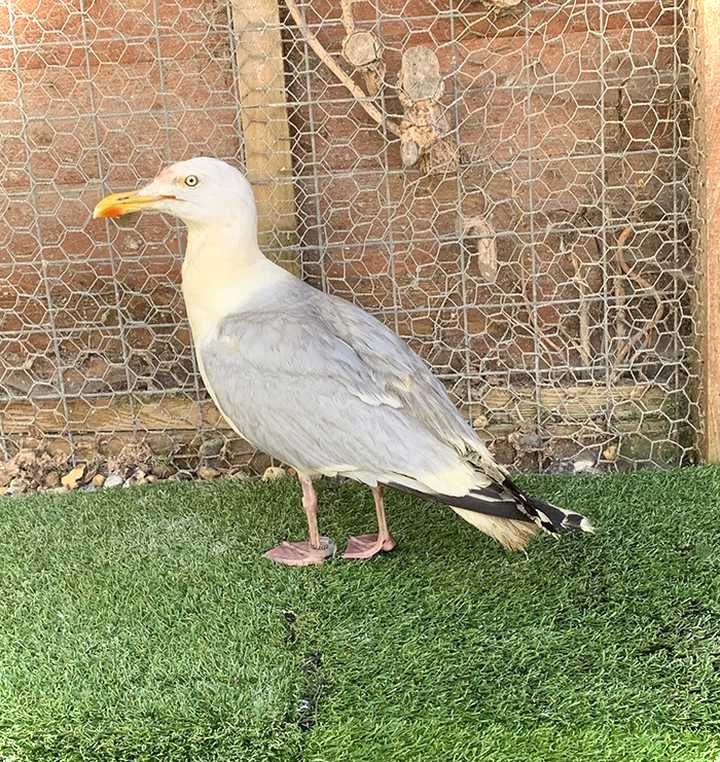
(163, 470)
(138, 477)
(207, 472)
(211, 448)
(72, 478)
(114, 480)
(58, 490)
(481, 422)
(52, 479)
(584, 466)
(610, 453)
(98, 480)
(273, 472)
(17, 486)
(7, 473)
(26, 457)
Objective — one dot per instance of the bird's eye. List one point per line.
(191, 181)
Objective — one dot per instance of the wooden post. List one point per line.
(705, 61)
(266, 131)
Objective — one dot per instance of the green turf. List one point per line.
(142, 624)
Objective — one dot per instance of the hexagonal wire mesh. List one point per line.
(538, 254)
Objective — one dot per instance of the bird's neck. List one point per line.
(223, 271)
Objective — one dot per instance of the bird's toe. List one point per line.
(367, 546)
(302, 553)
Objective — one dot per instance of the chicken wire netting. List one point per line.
(508, 185)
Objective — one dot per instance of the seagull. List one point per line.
(317, 382)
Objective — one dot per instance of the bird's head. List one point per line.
(201, 192)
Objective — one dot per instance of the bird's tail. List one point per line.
(512, 534)
(507, 514)
(510, 516)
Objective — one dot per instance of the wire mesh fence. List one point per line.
(508, 185)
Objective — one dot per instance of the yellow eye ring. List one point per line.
(191, 181)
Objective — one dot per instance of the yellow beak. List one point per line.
(117, 204)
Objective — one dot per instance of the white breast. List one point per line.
(217, 282)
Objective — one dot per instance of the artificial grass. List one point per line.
(143, 624)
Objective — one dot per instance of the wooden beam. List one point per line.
(705, 61)
(265, 126)
(567, 407)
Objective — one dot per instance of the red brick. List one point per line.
(139, 236)
(565, 184)
(352, 209)
(191, 17)
(14, 158)
(149, 290)
(360, 275)
(18, 234)
(27, 366)
(132, 148)
(105, 18)
(64, 151)
(204, 133)
(425, 207)
(66, 226)
(82, 294)
(634, 53)
(429, 277)
(23, 302)
(495, 123)
(38, 22)
(9, 96)
(5, 38)
(208, 44)
(437, 337)
(411, 8)
(488, 63)
(506, 341)
(564, 124)
(125, 76)
(198, 83)
(160, 357)
(92, 361)
(54, 80)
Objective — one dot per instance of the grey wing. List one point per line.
(299, 385)
(409, 377)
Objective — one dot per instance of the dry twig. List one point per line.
(644, 335)
(347, 16)
(343, 77)
(583, 309)
(620, 293)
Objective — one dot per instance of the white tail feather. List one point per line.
(511, 534)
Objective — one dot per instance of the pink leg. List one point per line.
(305, 553)
(368, 545)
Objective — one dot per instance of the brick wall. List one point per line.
(572, 122)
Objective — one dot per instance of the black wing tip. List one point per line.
(549, 517)
(576, 522)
